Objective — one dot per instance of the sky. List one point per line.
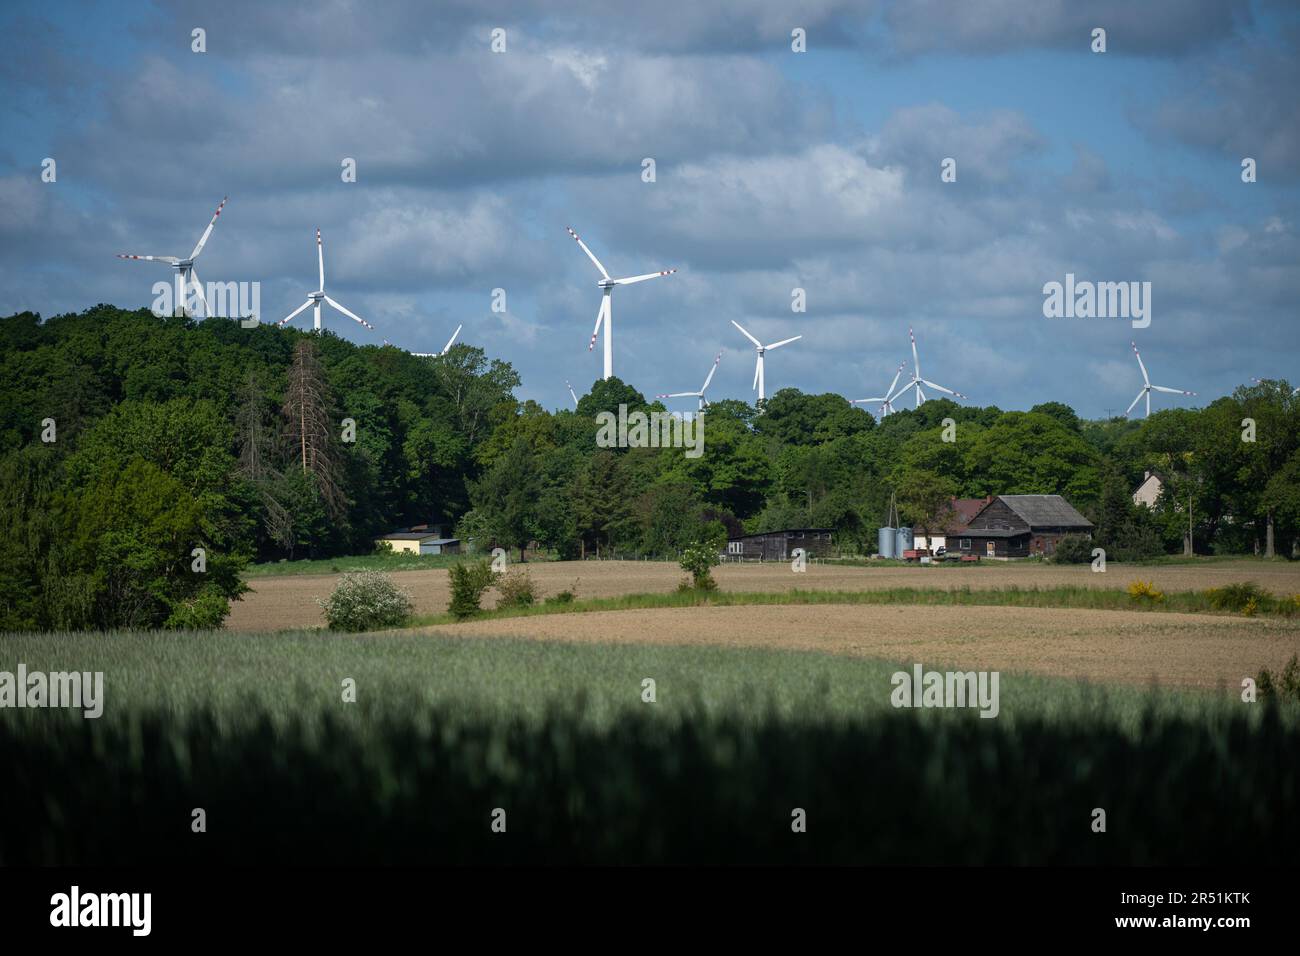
(775, 170)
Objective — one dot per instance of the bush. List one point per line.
(1073, 549)
(1145, 592)
(1245, 597)
(696, 560)
(1287, 685)
(517, 589)
(469, 579)
(365, 601)
(566, 596)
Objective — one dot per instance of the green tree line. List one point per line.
(171, 435)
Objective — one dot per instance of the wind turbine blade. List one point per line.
(863, 401)
(320, 260)
(758, 367)
(600, 317)
(680, 395)
(1172, 391)
(350, 315)
(572, 393)
(648, 275)
(756, 342)
(208, 231)
(170, 260)
(777, 345)
(446, 348)
(194, 281)
(705, 386)
(306, 305)
(590, 255)
(890, 390)
(1140, 365)
(941, 388)
(916, 362)
(1135, 401)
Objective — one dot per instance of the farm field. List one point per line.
(285, 602)
(253, 728)
(1133, 647)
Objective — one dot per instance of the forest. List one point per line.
(147, 460)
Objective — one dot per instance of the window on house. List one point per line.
(735, 547)
(965, 544)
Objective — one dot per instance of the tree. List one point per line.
(307, 414)
(925, 499)
(507, 497)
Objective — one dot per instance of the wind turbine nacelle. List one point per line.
(606, 283)
(316, 297)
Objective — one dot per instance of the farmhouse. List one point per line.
(779, 545)
(1148, 493)
(1017, 526)
(961, 512)
(420, 539)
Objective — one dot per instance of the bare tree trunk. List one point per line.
(1268, 537)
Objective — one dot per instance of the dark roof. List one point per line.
(1045, 511)
(409, 535)
(762, 534)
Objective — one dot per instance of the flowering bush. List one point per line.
(696, 560)
(1145, 591)
(366, 600)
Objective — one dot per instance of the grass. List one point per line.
(400, 561)
(1190, 602)
(298, 675)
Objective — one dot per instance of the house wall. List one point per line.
(1148, 493)
(406, 547)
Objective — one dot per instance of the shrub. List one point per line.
(566, 596)
(1074, 549)
(1145, 591)
(1237, 597)
(1286, 686)
(696, 560)
(517, 589)
(366, 600)
(469, 579)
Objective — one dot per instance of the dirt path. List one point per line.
(1124, 646)
(290, 601)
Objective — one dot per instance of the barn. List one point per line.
(779, 545)
(420, 539)
(1018, 526)
(961, 511)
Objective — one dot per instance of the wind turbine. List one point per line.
(759, 382)
(917, 381)
(887, 404)
(606, 313)
(572, 393)
(1148, 388)
(314, 298)
(1260, 381)
(185, 275)
(445, 349)
(703, 388)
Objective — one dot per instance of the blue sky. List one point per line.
(775, 170)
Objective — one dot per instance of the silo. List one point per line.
(903, 541)
(886, 539)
